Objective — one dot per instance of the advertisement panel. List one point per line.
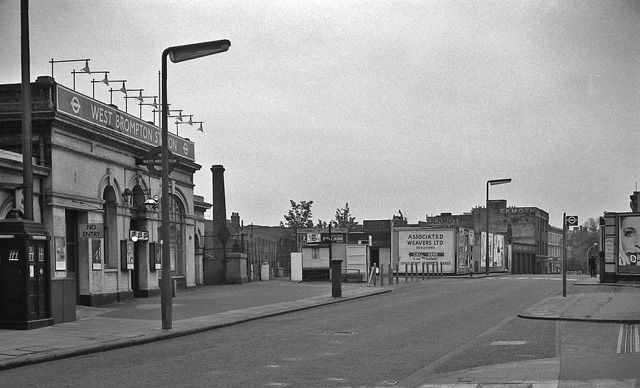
(628, 243)
(496, 250)
(420, 245)
(465, 243)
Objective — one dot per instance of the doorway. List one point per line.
(374, 256)
(71, 237)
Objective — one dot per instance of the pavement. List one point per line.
(204, 308)
(596, 302)
(194, 310)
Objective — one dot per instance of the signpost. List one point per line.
(566, 222)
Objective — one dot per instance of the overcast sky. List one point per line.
(386, 105)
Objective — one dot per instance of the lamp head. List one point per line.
(494, 182)
(123, 89)
(197, 50)
(153, 202)
(86, 67)
(105, 80)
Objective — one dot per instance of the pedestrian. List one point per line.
(592, 266)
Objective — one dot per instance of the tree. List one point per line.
(580, 240)
(299, 215)
(344, 218)
(321, 224)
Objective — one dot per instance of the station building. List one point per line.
(99, 206)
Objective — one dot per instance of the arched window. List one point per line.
(110, 221)
(177, 228)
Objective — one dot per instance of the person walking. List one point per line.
(592, 266)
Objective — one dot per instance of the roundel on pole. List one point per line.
(153, 161)
(571, 220)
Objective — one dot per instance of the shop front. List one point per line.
(100, 203)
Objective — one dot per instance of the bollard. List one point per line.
(423, 270)
(397, 273)
(406, 272)
(336, 278)
(390, 274)
(441, 270)
(381, 276)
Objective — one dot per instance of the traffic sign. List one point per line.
(571, 220)
(94, 230)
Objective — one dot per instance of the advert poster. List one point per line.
(464, 248)
(629, 244)
(496, 250)
(96, 254)
(61, 253)
(428, 246)
(130, 255)
(158, 257)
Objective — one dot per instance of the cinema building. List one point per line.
(99, 205)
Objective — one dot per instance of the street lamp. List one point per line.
(491, 182)
(176, 54)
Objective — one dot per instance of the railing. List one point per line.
(411, 270)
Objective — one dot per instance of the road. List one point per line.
(406, 337)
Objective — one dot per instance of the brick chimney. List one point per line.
(219, 206)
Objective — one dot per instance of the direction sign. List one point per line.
(153, 161)
(571, 220)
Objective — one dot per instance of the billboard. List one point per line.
(496, 250)
(465, 242)
(629, 243)
(423, 245)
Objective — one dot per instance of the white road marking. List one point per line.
(628, 338)
(508, 343)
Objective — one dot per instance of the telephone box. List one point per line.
(25, 277)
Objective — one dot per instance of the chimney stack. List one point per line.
(219, 206)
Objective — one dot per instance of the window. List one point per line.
(176, 227)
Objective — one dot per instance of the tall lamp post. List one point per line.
(176, 54)
(491, 182)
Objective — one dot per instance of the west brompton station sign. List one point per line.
(95, 112)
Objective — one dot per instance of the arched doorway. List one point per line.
(110, 248)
